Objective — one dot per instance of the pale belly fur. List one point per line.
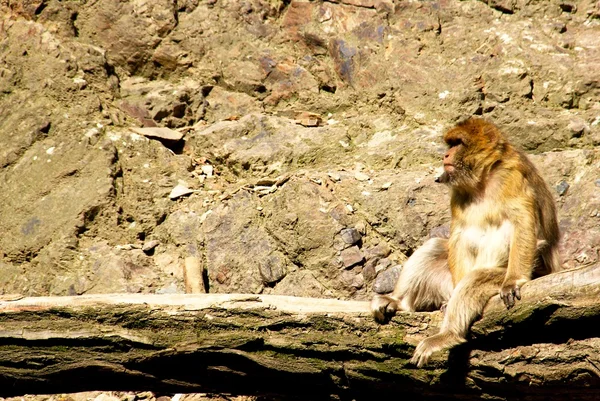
(483, 247)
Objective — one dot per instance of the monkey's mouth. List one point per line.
(449, 168)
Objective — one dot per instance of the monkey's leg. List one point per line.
(466, 304)
(425, 282)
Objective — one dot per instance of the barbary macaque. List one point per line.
(503, 233)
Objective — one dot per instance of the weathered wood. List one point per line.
(547, 347)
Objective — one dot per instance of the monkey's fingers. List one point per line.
(422, 354)
(508, 295)
(518, 293)
(383, 308)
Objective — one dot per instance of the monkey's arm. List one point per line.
(522, 250)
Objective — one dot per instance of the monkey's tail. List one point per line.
(469, 299)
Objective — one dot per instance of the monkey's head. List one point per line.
(474, 147)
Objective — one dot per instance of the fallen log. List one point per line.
(547, 347)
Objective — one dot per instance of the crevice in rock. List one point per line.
(40, 8)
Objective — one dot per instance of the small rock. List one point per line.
(192, 275)
(272, 269)
(378, 251)
(358, 281)
(282, 179)
(382, 265)
(350, 235)
(208, 170)
(204, 216)
(308, 119)
(347, 278)
(578, 127)
(562, 188)
(159, 133)
(361, 227)
(309, 122)
(335, 177)
(369, 272)
(266, 182)
(179, 191)
(351, 256)
(386, 185)
(360, 176)
(597, 182)
(386, 281)
(150, 245)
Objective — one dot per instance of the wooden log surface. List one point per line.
(547, 347)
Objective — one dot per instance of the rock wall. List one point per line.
(311, 136)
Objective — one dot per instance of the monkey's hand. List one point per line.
(432, 344)
(511, 290)
(383, 307)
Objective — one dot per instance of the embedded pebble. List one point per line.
(159, 133)
(351, 256)
(179, 191)
(150, 245)
(208, 170)
(350, 235)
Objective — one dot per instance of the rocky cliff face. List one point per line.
(311, 135)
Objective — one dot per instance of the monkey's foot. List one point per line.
(511, 290)
(383, 307)
(433, 344)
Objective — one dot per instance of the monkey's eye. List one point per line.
(455, 142)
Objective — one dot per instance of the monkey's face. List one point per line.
(457, 170)
(471, 150)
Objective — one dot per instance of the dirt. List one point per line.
(301, 121)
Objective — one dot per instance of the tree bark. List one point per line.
(545, 348)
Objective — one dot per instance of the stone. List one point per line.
(272, 269)
(207, 170)
(350, 235)
(379, 251)
(386, 280)
(226, 105)
(193, 275)
(562, 188)
(578, 128)
(351, 256)
(159, 133)
(360, 176)
(150, 245)
(382, 265)
(180, 190)
(369, 270)
(358, 282)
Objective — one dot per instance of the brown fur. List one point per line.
(503, 233)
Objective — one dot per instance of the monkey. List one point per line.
(503, 233)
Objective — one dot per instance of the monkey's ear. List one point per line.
(491, 133)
